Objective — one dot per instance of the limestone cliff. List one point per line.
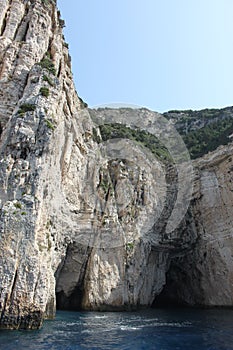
(38, 127)
(204, 275)
(84, 222)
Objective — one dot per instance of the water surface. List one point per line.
(160, 329)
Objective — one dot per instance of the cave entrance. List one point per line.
(166, 299)
(70, 276)
(72, 302)
(177, 292)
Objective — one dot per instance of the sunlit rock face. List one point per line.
(83, 220)
(38, 103)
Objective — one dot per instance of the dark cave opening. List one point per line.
(166, 299)
(73, 302)
(178, 291)
(70, 276)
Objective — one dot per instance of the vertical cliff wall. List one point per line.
(38, 102)
(204, 275)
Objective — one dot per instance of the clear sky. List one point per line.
(160, 54)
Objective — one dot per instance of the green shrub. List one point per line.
(129, 246)
(48, 80)
(46, 63)
(44, 91)
(18, 205)
(49, 124)
(26, 107)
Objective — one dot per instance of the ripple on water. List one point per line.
(148, 329)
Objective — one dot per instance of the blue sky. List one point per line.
(160, 54)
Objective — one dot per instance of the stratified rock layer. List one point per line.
(204, 275)
(83, 221)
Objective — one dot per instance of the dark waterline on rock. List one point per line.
(161, 329)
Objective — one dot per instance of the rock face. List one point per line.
(38, 101)
(83, 222)
(204, 275)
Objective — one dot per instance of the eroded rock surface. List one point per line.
(34, 58)
(204, 275)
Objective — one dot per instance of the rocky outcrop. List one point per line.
(204, 275)
(38, 102)
(91, 224)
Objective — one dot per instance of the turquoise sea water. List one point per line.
(160, 329)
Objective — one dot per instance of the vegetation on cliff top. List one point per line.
(113, 131)
(202, 131)
(205, 130)
(208, 138)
